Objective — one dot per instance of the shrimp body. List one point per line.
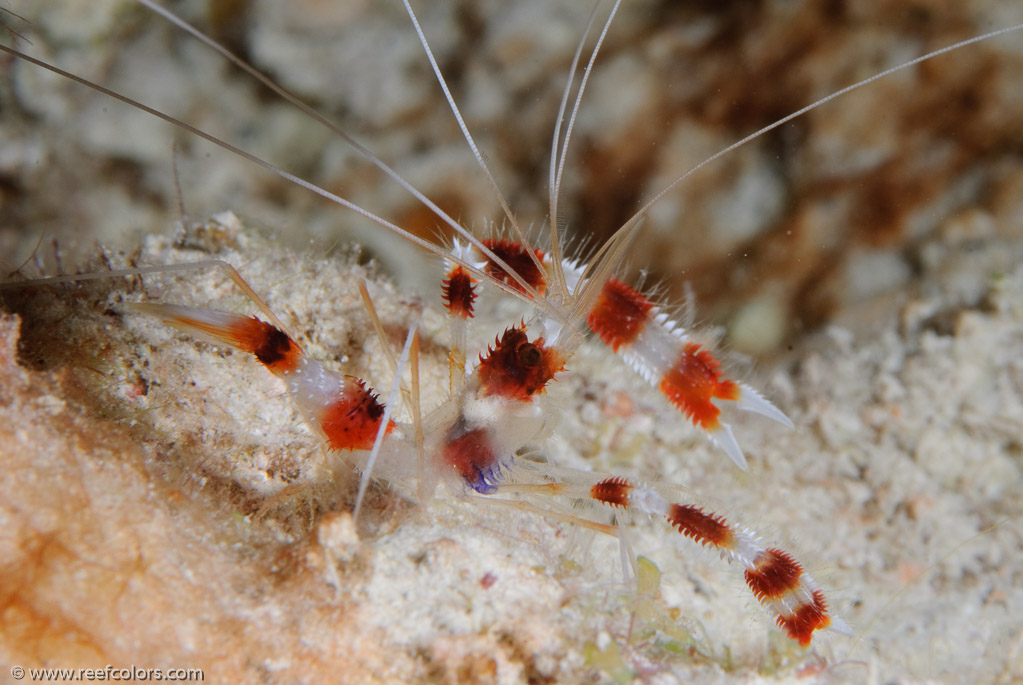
(499, 409)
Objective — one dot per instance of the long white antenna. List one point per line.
(553, 185)
(556, 178)
(469, 139)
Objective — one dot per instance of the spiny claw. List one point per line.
(752, 401)
(723, 437)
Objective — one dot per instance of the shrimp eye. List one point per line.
(529, 355)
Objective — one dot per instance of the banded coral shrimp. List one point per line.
(453, 646)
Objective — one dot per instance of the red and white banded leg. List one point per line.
(342, 407)
(776, 579)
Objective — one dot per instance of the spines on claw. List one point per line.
(517, 257)
(688, 375)
(517, 368)
(778, 581)
(459, 293)
(707, 529)
(693, 381)
(531, 270)
(612, 491)
(619, 314)
(772, 575)
(352, 418)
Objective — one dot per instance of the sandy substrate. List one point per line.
(163, 505)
